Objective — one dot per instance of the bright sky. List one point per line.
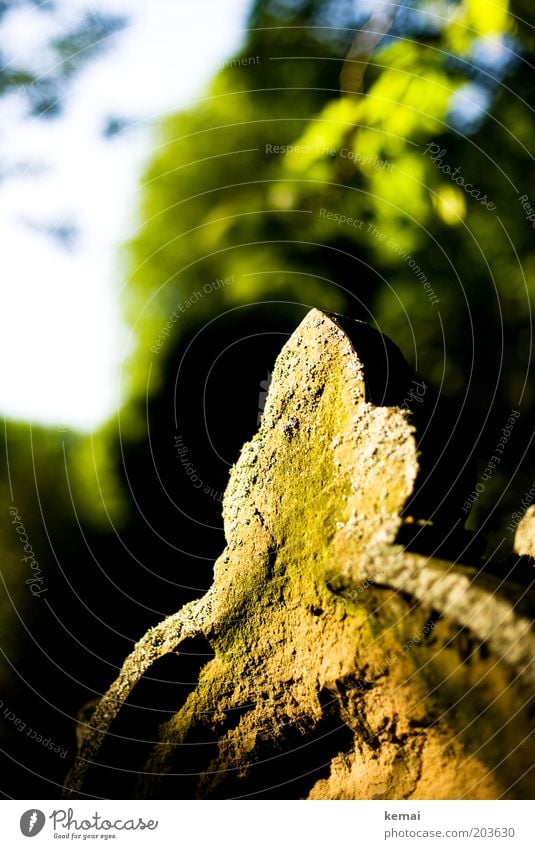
(61, 335)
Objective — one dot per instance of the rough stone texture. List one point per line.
(525, 534)
(345, 667)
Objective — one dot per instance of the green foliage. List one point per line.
(55, 486)
(438, 249)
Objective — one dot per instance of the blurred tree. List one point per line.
(73, 37)
(364, 158)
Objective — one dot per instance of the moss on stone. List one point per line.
(341, 668)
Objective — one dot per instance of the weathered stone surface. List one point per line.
(525, 534)
(345, 666)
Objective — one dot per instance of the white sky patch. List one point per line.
(62, 340)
